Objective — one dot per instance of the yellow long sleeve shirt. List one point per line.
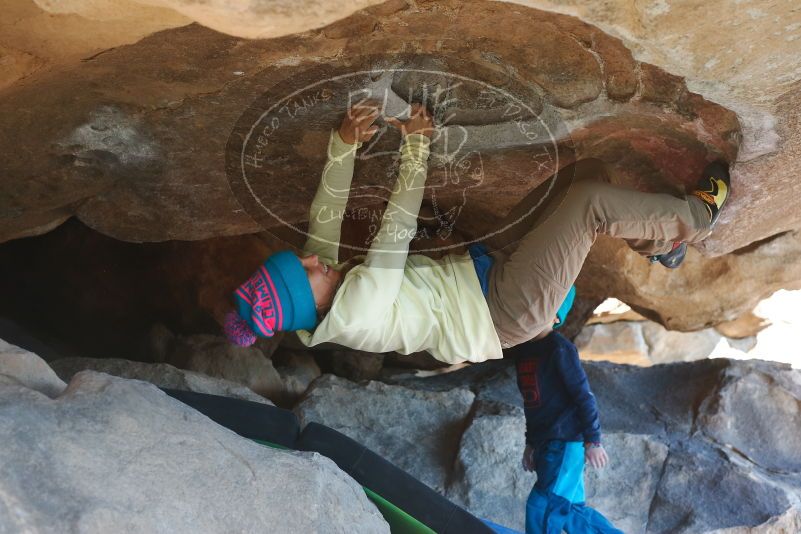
(395, 301)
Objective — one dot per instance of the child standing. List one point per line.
(562, 432)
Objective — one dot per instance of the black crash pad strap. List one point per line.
(392, 483)
(252, 420)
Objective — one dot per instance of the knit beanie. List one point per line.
(277, 297)
(564, 309)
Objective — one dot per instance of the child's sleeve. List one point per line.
(575, 380)
(374, 286)
(328, 206)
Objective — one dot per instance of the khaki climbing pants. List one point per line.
(540, 255)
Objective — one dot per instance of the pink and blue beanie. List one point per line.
(277, 297)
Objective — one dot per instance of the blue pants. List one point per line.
(557, 501)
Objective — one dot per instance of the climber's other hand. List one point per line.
(357, 125)
(419, 122)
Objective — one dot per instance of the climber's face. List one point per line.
(323, 280)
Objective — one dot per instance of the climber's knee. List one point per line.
(585, 191)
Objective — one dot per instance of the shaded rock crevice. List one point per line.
(653, 505)
(456, 469)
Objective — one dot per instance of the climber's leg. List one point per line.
(527, 288)
(546, 197)
(713, 189)
(538, 203)
(649, 247)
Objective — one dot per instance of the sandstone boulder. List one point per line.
(258, 20)
(703, 291)
(745, 59)
(665, 346)
(146, 162)
(653, 92)
(128, 164)
(746, 325)
(649, 343)
(620, 342)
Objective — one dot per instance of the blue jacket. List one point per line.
(557, 399)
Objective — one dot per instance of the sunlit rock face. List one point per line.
(36, 35)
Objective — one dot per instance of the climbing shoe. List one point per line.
(714, 188)
(672, 259)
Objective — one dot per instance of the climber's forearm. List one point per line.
(371, 289)
(399, 223)
(328, 206)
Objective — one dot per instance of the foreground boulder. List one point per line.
(756, 412)
(115, 455)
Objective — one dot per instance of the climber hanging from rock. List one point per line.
(461, 307)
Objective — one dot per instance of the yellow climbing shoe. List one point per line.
(714, 188)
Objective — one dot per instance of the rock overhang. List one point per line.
(180, 93)
(158, 172)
